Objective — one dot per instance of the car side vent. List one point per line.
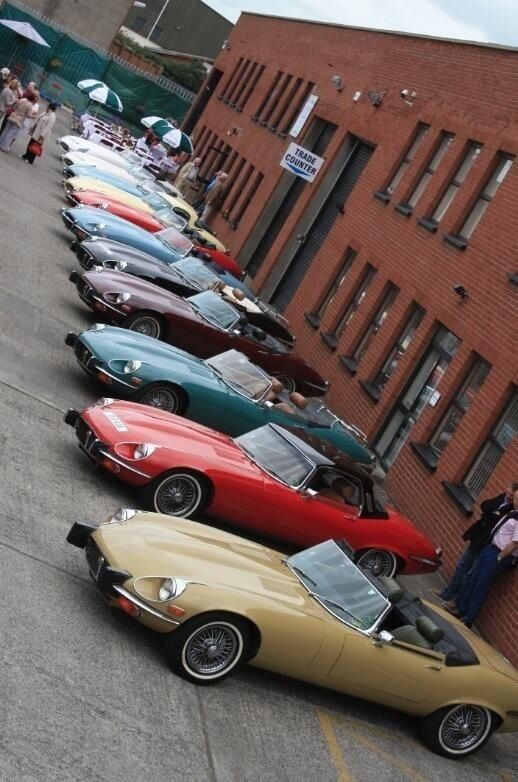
(279, 587)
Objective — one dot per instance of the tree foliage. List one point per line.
(190, 74)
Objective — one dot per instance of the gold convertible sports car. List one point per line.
(222, 601)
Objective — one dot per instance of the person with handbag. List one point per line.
(15, 121)
(40, 132)
(8, 98)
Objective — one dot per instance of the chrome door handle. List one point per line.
(434, 667)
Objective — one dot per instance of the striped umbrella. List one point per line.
(99, 92)
(169, 134)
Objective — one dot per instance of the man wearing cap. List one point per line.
(495, 558)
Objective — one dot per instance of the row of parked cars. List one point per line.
(211, 412)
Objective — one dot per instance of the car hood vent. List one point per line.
(279, 587)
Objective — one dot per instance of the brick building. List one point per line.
(418, 193)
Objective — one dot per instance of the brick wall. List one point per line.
(468, 90)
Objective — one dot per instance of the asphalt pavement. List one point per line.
(84, 691)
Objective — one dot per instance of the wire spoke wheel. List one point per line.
(162, 398)
(382, 563)
(288, 383)
(178, 495)
(463, 728)
(212, 649)
(146, 324)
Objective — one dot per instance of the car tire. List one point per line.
(290, 385)
(206, 649)
(144, 322)
(178, 493)
(378, 557)
(445, 731)
(163, 396)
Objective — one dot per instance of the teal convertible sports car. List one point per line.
(226, 392)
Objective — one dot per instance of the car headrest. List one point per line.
(298, 400)
(277, 386)
(429, 630)
(393, 591)
(238, 294)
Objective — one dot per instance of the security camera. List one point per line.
(404, 93)
(461, 291)
(408, 96)
(337, 82)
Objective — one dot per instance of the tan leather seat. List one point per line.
(238, 294)
(277, 386)
(299, 400)
(285, 407)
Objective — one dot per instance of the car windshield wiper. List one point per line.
(330, 602)
(302, 574)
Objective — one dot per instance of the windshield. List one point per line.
(175, 240)
(140, 173)
(155, 201)
(211, 307)
(236, 370)
(170, 219)
(197, 274)
(332, 578)
(131, 157)
(317, 411)
(276, 455)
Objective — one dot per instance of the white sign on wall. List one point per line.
(302, 162)
(304, 114)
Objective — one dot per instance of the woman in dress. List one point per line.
(40, 132)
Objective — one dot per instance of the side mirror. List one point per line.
(309, 493)
(268, 403)
(383, 638)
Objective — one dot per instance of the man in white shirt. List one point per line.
(495, 558)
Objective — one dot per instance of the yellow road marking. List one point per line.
(326, 725)
(504, 776)
(407, 770)
(377, 731)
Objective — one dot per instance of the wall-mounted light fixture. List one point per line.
(408, 96)
(337, 83)
(376, 98)
(234, 131)
(226, 45)
(357, 95)
(461, 291)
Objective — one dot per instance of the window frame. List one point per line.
(384, 304)
(502, 158)
(460, 492)
(347, 313)
(419, 134)
(136, 28)
(433, 162)
(329, 293)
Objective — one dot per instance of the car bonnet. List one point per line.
(155, 545)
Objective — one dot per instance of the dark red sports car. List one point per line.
(204, 325)
(282, 482)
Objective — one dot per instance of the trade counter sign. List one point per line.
(302, 162)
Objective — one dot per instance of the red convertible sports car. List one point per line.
(203, 325)
(279, 481)
(150, 222)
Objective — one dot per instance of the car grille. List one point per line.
(83, 354)
(95, 559)
(84, 290)
(69, 223)
(85, 258)
(87, 438)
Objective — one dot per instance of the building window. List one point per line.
(331, 338)
(254, 186)
(387, 299)
(468, 160)
(138, 23)
(275, 102)
(241, 82)
(443, 145)
(458, 408)
(490, 454)
(269, 93)
(315, 316)
(292, 116)
(155, 35)
(251, 87)
(499, 173)
(418, 137)
(232, 79)
(389, 366)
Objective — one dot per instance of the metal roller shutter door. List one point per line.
(321, 227)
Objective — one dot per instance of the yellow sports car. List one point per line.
(222, 601)
(149, 202)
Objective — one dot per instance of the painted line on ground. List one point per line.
(326, 725)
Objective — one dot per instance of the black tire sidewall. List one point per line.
(430, 729)
(176, 641)
(361, 554)
(128, 322)
(149, 491)
(178, 393)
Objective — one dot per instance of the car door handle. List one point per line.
(434, 667)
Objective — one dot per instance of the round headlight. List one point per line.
(116, 298)
(116, 265)
(132, 366)
(97, 327)
(123, 514)
(168, 589)
(142, 450)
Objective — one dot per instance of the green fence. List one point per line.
(57, 70)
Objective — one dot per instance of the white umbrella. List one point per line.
(26, 30)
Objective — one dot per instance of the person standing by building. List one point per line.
(214, 197)
(40, 132)
(496, 557)
(8, 97)
(187, 178)
(477, 536)
(15, 121)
